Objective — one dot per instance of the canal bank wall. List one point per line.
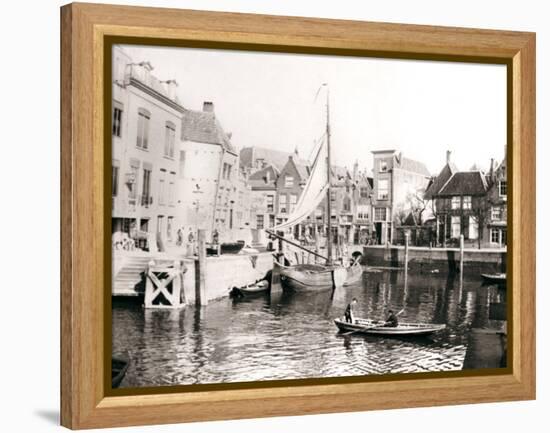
(225, 272)
(432, 259)
(220, 274)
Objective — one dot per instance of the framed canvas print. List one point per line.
(270, 216)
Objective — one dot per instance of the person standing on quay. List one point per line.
(190, 242)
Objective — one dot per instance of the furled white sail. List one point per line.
(314, 191)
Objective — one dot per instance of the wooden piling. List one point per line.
(461, 254)
(406, 251)
(200, 286)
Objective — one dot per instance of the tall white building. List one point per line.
(146, 125)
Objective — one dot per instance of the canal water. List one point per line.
(282, 336)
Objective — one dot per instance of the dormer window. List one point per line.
(503, 189)
(289, 181)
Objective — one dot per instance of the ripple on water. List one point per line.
(291, 337)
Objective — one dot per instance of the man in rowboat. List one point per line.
(349, 314)
(391, 321)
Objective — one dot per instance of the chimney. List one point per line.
(355, 170)
(171, 87)
(208, 106)
(491, 169)
(448, 157)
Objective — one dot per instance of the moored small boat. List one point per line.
(225, 248)
(257, 288)
(494, 278)
(119, 367)
(353, 274)
(377, 327)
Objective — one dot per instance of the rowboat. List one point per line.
(257, 288)
(494, 278)
(119, 367)
(377, 327)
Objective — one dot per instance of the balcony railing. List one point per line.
(146, 200)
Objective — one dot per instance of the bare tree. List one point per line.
(481, 212)
(418, 204)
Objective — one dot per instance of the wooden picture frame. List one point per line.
(85, 398)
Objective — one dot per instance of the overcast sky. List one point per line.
(418, 107)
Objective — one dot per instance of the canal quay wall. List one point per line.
(427, 259)
(220, 274)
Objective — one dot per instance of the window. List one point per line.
(160, 223)
(380, 214)
(332, 195)
(143, 129)
(259, 221)
(270, 203)
(364, 192)
(495, 236)
(146, 190)
(383, 166)
(289, 181)
(496, 213)
(172, 189)
(271, 220)
(466, 202)
(169, 225)
(226, 174)
(455, 202)
(455, 226)
(282, 203)
(502, 189)
(115, 174)
(117, 119)
(383, 189)
(347, 204)
(162, 187)
(473, 228)
(169, 139)
(363, 212)
(132, 180)
(182, 164)
(293, 201)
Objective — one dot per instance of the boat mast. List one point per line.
(329, 215)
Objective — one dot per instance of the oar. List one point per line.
(372, 327)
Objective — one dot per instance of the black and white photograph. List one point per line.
(283, 216)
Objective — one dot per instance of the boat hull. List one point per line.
(225, 248)
(302, 278)
(353, 274)
(259, 288)
(374, 327)
(494, 278)
(119, 367)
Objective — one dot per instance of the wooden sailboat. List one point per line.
(301, 277)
